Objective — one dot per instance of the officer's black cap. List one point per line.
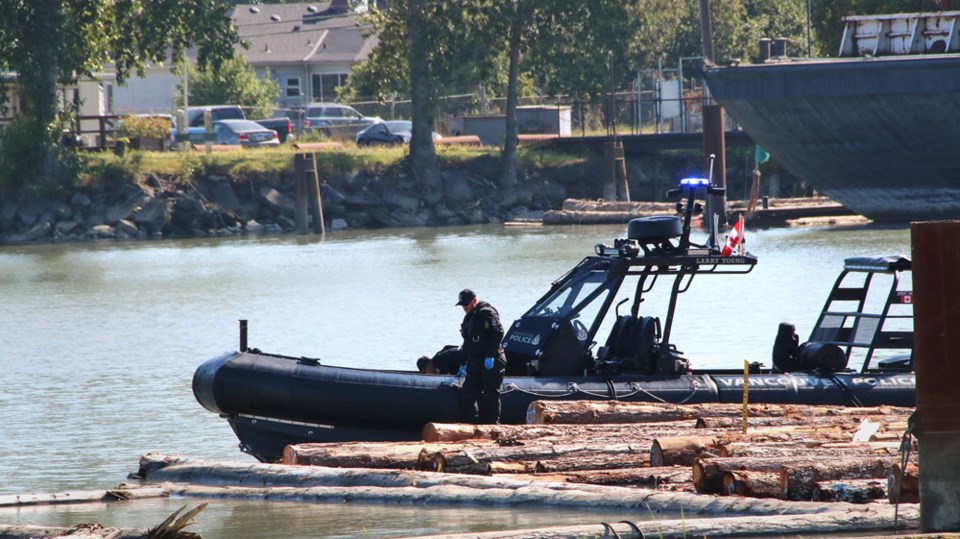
(466, 296)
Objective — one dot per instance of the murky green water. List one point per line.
(99, 344)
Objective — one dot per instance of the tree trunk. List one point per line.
(751, 484)
(38, 97)
(680, 451)
(423, 155)
(547, 412)
(632, 432)
(508, 178)
(678, 478)
(392, 455)
(849, 490)
(798, 480)
(803, 449)
(553, 457)
(708, 473)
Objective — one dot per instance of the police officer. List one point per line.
(486, 361)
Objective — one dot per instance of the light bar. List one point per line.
(696, 182)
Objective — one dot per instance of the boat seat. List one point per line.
(630, 346)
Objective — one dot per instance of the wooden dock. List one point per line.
(779, 212)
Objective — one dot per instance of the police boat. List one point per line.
(271, 400)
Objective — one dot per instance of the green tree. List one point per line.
(564, 46)
(52, 43)
(233, 82)
(426, 48)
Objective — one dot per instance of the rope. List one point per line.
(906, 445)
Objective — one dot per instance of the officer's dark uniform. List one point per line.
(482, 333)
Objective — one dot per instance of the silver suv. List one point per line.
(332, 115)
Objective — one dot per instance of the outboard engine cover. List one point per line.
(824, 356)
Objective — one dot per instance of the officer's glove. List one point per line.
(462, 371)
(488, 363)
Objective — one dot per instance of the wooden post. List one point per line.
(715, 144)
(300, 194)
(316, 203)
(620, 169)
(936, 264)
(609, 171)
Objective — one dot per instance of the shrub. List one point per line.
(146, 126)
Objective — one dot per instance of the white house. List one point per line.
(309, 48)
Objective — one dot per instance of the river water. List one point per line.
(100, 342)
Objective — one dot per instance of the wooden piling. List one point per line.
(936, 264)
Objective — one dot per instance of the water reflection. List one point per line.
(238, 519)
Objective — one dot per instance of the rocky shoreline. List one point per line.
(155, 206)
(213, 204)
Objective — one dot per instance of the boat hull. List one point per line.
(271, 401)
(873, 134)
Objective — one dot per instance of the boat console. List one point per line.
(557, 336)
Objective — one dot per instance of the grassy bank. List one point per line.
(272, 163)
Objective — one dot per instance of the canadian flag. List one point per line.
(734, 239)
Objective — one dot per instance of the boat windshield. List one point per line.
(581, 296)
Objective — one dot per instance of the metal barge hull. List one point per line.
(877, 134)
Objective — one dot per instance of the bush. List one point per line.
(146, 126)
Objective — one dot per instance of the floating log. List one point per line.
(189, 477)
(846, 422)
(770, 442)
(751, 484)
(637, 477)
(903, 484)
(122, 492)
(871, 519)
(708, 472)
(391, 455)
(798, 479)
(593, 461)
(553, 412)
(171, 528)
(680, 451)
(849, 490)
(552, 457)
(806, 448)
(456, 432)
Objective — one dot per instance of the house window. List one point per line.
(293, 87)
(325, 85)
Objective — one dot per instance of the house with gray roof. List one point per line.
(309, 48)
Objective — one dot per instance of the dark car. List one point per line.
(244, 133)
(389, 133)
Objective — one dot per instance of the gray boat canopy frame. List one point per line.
(557, 335)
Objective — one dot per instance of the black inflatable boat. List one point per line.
(859, 352)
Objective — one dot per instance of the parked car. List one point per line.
(281, 125)
(244, 133)
(389, 133)
(319, 115)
